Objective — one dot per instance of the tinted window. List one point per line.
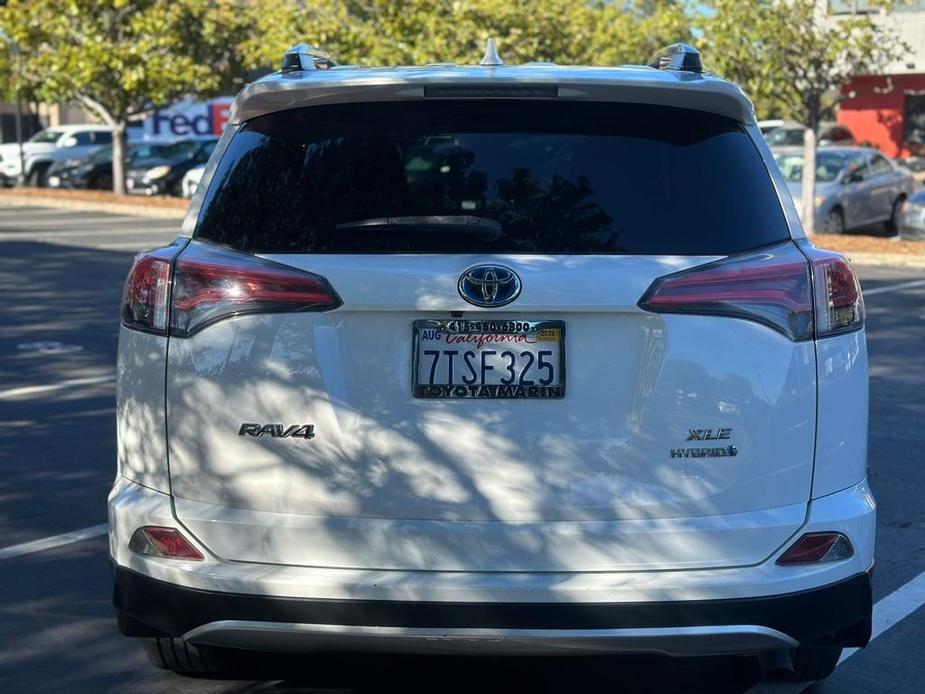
(558, 177)
(102, 137)
(785, 136)
(879, 165)
(83, 139)
(856, 169)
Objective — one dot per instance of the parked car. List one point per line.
(191, 180)
(911, 224)
(478, 359)
(95, 170)
(161, 173)
(855, 186)
(47, 147)
(790, 134)
(766, 126)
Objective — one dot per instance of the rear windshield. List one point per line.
(545, 177)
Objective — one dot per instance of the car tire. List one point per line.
(101, 182)
(38, 176)
(834, 222)
(182, 657)
(892, 224)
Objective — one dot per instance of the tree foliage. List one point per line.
(383, 32)
(792, 58)
(119, 57)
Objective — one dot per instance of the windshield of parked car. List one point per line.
(46, 136)
(145, 151)
(828, 166)
(101, 155)
(179, 151)
(558, 177)
(785, 136)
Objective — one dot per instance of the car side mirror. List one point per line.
(69, 141)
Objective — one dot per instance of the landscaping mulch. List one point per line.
(856, 243)
(97, 196)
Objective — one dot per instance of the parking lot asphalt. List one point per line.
(61, 276)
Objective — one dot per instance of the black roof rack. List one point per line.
(304, 56)
(677, 56)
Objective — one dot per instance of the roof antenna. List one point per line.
(491, 58)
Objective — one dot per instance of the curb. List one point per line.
(87, 206)
(889, 259)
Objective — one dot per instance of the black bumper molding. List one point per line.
(834, 615)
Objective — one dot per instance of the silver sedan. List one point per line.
(855, 186)
(912, 217)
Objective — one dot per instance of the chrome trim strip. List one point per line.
(295, 637)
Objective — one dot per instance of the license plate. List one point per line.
(500, 359)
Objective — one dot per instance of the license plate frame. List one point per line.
(492, 326)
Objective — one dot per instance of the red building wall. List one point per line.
(874, 108)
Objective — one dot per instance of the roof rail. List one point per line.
(677, 56)
(304, 56)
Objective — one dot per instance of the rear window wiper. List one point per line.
(466, 224)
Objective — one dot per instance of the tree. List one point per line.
(384, 32)
(119, 58)
(792, 58)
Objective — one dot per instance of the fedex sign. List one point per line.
(190, 118)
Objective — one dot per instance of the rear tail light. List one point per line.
(771, 286)
(207, 283)
(212, 283)
(167, 543)
(145, 300)
(839, 303)
(814, 548)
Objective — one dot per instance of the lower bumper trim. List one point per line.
(837, 614)
(282, 637)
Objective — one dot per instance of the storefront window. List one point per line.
(914, 123)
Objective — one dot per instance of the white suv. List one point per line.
(49, 146)
(493, 359)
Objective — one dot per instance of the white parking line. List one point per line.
(888, 612)
(53, 541)
(11, 393)
(893, 287)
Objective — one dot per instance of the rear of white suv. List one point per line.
(506, 359)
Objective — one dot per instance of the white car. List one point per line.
(190, 181)
(493, 359)
(49, 146)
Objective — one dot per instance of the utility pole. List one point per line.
(14, 49)
(22, 157)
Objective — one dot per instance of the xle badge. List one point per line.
(278, 431)
(712, 452)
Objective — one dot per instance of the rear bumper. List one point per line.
(837, 614)
(300, 608)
